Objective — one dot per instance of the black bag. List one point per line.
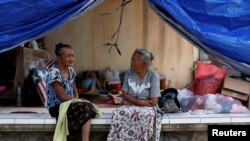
(168, 102)
(30, 95)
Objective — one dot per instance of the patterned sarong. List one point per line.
(135, 123)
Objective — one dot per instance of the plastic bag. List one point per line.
(211, 103)
(208, 79)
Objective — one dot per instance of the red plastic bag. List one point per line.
(208, 79)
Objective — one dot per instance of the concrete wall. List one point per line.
(141, 27)
(101, 136)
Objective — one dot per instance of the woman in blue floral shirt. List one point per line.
(61, 87)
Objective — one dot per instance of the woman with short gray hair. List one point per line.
(140, 92)
(146, 56)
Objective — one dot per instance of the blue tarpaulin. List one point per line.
(25, 20)
(219, 28)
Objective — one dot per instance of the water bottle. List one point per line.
(19, 95)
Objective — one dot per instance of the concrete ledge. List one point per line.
(178, 127)
(171, 122)
(104, 127)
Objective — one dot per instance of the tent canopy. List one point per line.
(25, 20)
(219, 28)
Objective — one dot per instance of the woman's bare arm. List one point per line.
(75, 91)
(130, 100)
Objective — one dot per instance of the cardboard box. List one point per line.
(234, 94)
(236, 88)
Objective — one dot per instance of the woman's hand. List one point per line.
(143, 102)
(130, 100)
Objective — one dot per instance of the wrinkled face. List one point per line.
(67, 57)
(136, 62)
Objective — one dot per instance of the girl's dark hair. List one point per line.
(59, 46)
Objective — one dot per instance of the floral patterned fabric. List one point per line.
(135, 123)
(53, 76)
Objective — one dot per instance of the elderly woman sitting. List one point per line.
(137, 119)
(61, 90)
